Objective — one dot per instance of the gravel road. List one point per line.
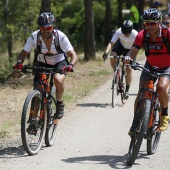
(93, 136)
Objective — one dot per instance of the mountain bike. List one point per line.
(119, 80)
(39, 108)
(147, 116)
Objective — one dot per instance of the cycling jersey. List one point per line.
(158, 55)
(126, 42)
(49, 57)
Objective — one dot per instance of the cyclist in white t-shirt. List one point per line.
(43, 40)
(122, 42)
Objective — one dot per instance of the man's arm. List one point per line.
(22, 56)
(72, 54)
(109, 46)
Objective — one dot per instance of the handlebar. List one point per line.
(121, 57)
(153, 72)
(40, 69)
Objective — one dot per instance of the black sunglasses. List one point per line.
(165, 23)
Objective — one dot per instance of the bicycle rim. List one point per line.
(50, 135)
(141, 130)
(154, 134)
(32, 142)
(115, 88)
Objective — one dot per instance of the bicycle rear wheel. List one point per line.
(123, 85)
(140, 131)
(50, 135)
(32, 142)
(115, 87)
(153, 133)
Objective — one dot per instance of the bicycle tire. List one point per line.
(32, 143)
(123, 85)
(115, 88)
(50, 135)
(140, 132)
(154, 136)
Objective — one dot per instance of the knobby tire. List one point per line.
(32, 143)
(140, 132)
(50, 135)
(154, 136)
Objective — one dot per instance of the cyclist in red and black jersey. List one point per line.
(156, 55)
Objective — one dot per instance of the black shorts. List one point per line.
(145, 76)
(59, 66)
(119, 49)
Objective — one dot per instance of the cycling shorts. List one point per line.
(58, 66)
(119, 49)
(145, 76)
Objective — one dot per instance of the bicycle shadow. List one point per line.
(13, 151)
(93, 105)
(115, 162)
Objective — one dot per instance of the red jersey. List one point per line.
(158, 54)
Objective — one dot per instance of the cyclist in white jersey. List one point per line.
(43, 40)
(122, 42)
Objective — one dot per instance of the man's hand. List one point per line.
(105, 56)
(18, 66)
(127, 59)
(68, 68)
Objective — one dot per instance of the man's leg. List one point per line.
(128, 81)
(162, 87)
(59, 83)
(113, 60)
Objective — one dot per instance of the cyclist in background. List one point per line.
(122, 41)
(43, 40)
(156, 55)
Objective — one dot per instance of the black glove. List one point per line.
(105, 56)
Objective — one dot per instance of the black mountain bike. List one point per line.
(119, 81)
(39, 106)
(147, 116)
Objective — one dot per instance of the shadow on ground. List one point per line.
(115, 162)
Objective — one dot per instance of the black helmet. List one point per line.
(152, 14)
(46, 19)
(127, 27)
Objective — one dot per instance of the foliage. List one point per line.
(19, 20)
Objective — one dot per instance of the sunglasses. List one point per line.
(165, 23)
(150, 23)
(46, 28)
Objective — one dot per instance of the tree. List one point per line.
(108, 22)
(45, 6)
(119, 13)
(89, 49)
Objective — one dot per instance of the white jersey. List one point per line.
(54, 56)
(126, 42)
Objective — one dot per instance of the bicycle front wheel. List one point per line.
(153, 133)
(50, 135)
(140, 132)
(115, 87)
(32, 142)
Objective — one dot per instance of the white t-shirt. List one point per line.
(55, 57)
(126, 42)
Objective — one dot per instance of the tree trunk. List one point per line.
(45, 6)
(119, 13)
(108, 25)
(89, 49)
